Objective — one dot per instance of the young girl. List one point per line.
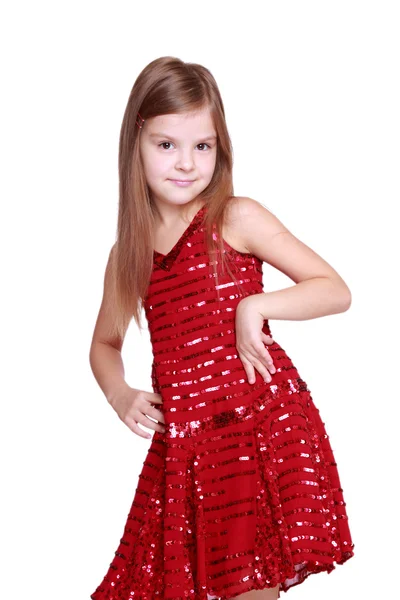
(239, 496)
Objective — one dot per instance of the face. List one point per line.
(178, 147)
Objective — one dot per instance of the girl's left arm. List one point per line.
(318, 291)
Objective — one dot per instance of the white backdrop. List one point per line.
(311, 92)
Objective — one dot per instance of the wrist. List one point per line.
(116, 391)
(258, 302)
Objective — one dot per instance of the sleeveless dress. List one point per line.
(242, 490)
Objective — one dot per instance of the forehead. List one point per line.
(182, 124)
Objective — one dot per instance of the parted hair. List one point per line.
(167, 85)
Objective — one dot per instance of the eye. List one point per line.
(164, 143)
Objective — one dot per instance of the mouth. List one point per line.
(182, 182)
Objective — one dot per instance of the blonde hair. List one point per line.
(166, 85)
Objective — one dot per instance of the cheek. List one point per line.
(162, 163)
(156, 167)
(209, 167)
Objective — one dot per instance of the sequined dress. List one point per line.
(242, 490)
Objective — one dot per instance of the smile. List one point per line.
(181, 183)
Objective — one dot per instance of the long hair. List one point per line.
(166, 85)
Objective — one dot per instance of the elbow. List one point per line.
(91, 357)
(91, 354)
(341, 295)
(346, 299)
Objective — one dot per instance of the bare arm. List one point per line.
(108, 369)
(132, 406)
(105, 353)
(319, 289)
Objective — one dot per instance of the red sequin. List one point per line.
(242, 490)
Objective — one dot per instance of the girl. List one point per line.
(239, 496)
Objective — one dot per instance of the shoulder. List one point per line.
(243, 207)
(267, 238)
(244, 216)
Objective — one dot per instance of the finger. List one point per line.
(264, 356)
(253, 363)
(147, 422)
(260, 353)
(265, 374)
(154, 398)
(156, 414)
(267, 339)
(147, 408)
(248, 367)
(136, 429)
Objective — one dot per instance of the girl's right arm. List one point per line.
(132, 406)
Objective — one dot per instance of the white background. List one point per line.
(311, 92)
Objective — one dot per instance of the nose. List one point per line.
(185, 160)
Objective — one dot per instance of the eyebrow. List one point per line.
(160, 134)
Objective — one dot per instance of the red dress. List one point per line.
(242, 490)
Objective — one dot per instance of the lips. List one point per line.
(182, 183)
